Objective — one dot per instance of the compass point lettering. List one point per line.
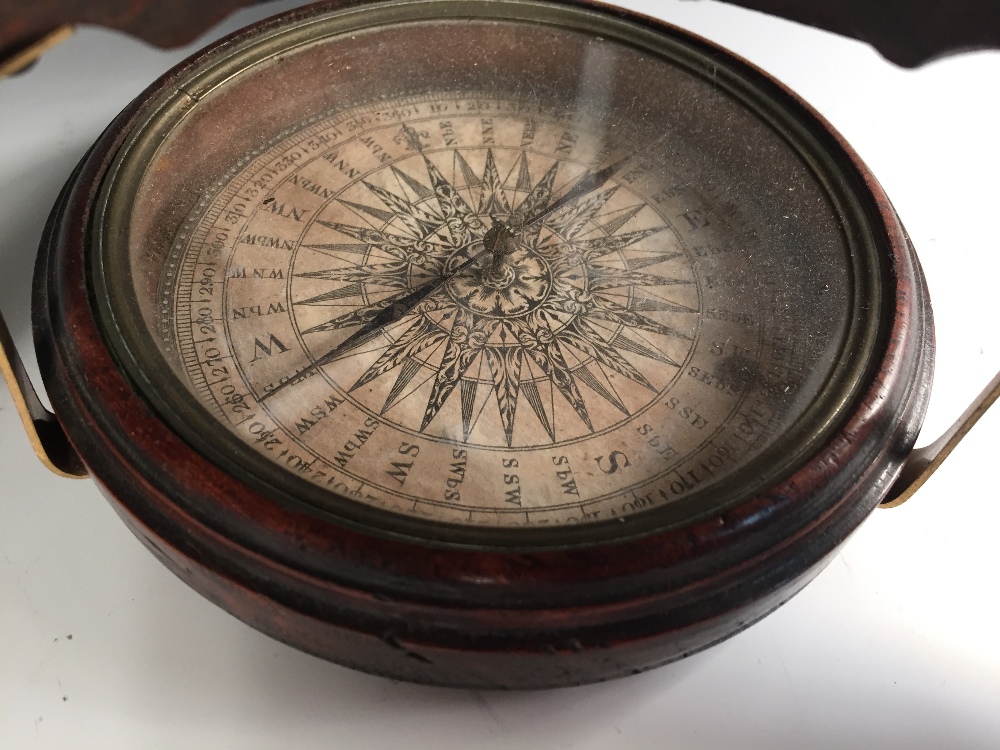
(317, 413)
(456, 475)
(695, 219)
(261, 240)
(656, 442)
(286, 211)
(376, 149)
(567, 142)
(357, 441)
(613, 461)
(489, 137)
(258, 311)
(311, 186)
(271, 346)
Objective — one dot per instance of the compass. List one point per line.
(568, 347)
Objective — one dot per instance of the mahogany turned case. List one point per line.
(642, 341)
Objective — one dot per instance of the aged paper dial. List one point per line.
(592, 371)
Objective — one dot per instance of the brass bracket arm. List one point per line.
(23, 58)
(922, 462)
(44, 431)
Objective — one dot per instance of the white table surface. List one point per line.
(895, 645)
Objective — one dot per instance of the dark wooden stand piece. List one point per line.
(164, 23)
(908, 32)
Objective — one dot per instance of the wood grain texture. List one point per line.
(171, 23)
(907, 33)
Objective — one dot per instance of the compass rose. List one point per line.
(585, 319)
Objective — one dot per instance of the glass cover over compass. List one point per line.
(595, 285)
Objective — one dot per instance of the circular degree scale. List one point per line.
(483, 343)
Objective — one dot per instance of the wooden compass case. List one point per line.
(429, 603)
